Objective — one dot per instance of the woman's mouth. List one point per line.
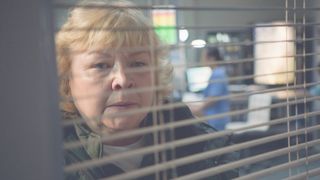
(122, 105)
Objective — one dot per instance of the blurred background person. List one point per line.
(217, 87)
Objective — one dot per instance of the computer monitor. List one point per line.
(197, 78)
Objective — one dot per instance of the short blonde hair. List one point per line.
(96, 25)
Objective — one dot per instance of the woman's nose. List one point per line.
(121, 79)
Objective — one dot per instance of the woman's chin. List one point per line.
(118, 125)
(122, 123)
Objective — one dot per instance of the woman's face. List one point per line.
(102, 83)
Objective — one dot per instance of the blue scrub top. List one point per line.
(218, 89)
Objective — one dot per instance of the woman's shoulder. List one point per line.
(73, 155)
(210, 144)
(69, 134)
(183, 113)
(215, 141)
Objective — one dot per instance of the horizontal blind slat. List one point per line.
(305, 175)
(229, 62)
(228, 27)
(65, 5)
(180, 104)
(271, 170)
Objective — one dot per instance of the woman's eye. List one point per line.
(100, 66)
(139, 64)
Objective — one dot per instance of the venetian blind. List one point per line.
(270, 51)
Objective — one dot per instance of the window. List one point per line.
(271, 127)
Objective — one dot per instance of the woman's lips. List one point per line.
(122, 105)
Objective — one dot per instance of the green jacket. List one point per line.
(93, 150)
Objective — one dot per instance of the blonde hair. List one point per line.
(97, 25)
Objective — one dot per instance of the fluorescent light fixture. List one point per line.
(198, 43)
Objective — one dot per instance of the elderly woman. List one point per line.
(111, 63)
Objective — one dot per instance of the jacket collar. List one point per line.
(92, 141)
